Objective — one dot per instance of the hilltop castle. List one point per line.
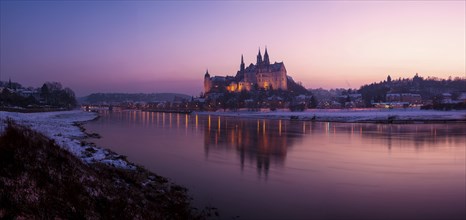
(261, 75)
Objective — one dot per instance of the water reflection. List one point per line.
(354, 171)
(400, 135)
(256, 141)
(266, 142)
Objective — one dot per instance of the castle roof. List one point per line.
(272, 67)
(218, 78)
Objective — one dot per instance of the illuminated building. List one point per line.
(262, 75)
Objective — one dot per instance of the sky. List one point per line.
(166, 46)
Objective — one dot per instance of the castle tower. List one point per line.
(259, 58)
(207, 82)
(266, 57)
(241, 67)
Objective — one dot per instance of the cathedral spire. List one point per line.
(259, 57)
(241, 67)
(266, 57)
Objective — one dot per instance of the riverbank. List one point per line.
(49, 171)
(353, 115)
(61, 127)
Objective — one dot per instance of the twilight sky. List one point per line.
(163, 46)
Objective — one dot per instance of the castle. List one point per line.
(261, 75)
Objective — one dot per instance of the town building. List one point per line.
(462, 97)
(262, 75)
(410, 98)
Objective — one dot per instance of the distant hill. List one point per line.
(112, 98)
(430, 88)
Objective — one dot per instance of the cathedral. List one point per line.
(262, 75)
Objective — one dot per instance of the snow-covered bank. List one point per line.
(352, 115)
(40, 179)
(61, 127)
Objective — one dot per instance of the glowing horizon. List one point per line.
(167, 46)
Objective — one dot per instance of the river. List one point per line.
(282, 169)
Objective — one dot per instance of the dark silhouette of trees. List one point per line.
(44, 92)
(50, 94)
(429, 88)
(54, 95)
(374, 92)
(313, 103)
(11, 99)
(296, 88)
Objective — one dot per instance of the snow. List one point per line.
(350, 115)
(60, 127)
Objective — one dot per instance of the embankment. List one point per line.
(42, 179)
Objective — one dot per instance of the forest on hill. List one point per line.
(430, 88)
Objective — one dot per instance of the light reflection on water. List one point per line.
(277, 169)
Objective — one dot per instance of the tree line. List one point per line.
(430, 88)
(50, 94)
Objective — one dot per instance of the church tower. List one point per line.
(207, 82)
(266, 57)
(241, 67)
(259, 58)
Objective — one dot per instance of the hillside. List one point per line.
(112, 98)
(430, 88)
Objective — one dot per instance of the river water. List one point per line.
(282, 169)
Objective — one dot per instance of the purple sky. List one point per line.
(146, 46)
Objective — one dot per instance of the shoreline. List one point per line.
(64, 129)
(377, 116)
